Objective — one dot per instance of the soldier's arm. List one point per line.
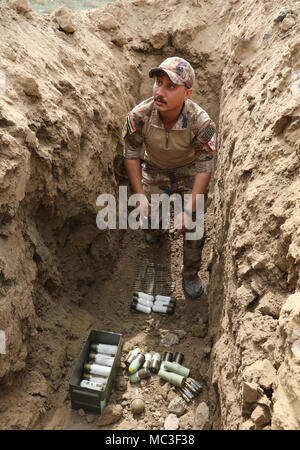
(133, 143)
(200, 186)
(133, 168)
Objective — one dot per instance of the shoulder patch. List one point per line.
(130, 125)
(209, 132)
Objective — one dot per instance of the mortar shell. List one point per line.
(163, 309)
(155, 363)
(142, 301)
(144, 373)
(177, 368)
(139, 375)
(136, 363)
(148, 360)
(92, 385)
(164, 298)
(96, 369)
(101, 380)
(132, 355)
(103, 360)
(104, 348)
(165, 302)
(143, 295)
(138, 307)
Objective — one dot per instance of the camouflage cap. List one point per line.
(178, 70)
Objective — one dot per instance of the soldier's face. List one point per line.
(167, 95)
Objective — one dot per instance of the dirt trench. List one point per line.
(67, 95)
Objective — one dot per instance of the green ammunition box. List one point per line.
(88, 399)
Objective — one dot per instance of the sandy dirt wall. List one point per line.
(59, 138)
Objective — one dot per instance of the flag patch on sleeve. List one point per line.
(209, 136)
(208, 133)
(212, 143)
(128, 127)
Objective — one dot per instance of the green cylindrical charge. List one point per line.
(171, 377)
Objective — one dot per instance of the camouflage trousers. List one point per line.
(179, 181)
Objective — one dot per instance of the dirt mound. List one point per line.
(67, 81)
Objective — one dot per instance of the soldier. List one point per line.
(179, 140)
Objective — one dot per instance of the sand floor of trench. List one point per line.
(108, 305)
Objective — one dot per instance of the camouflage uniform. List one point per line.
(172, 158)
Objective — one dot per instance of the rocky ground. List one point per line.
(185, 331)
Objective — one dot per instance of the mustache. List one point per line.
(160, 99)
